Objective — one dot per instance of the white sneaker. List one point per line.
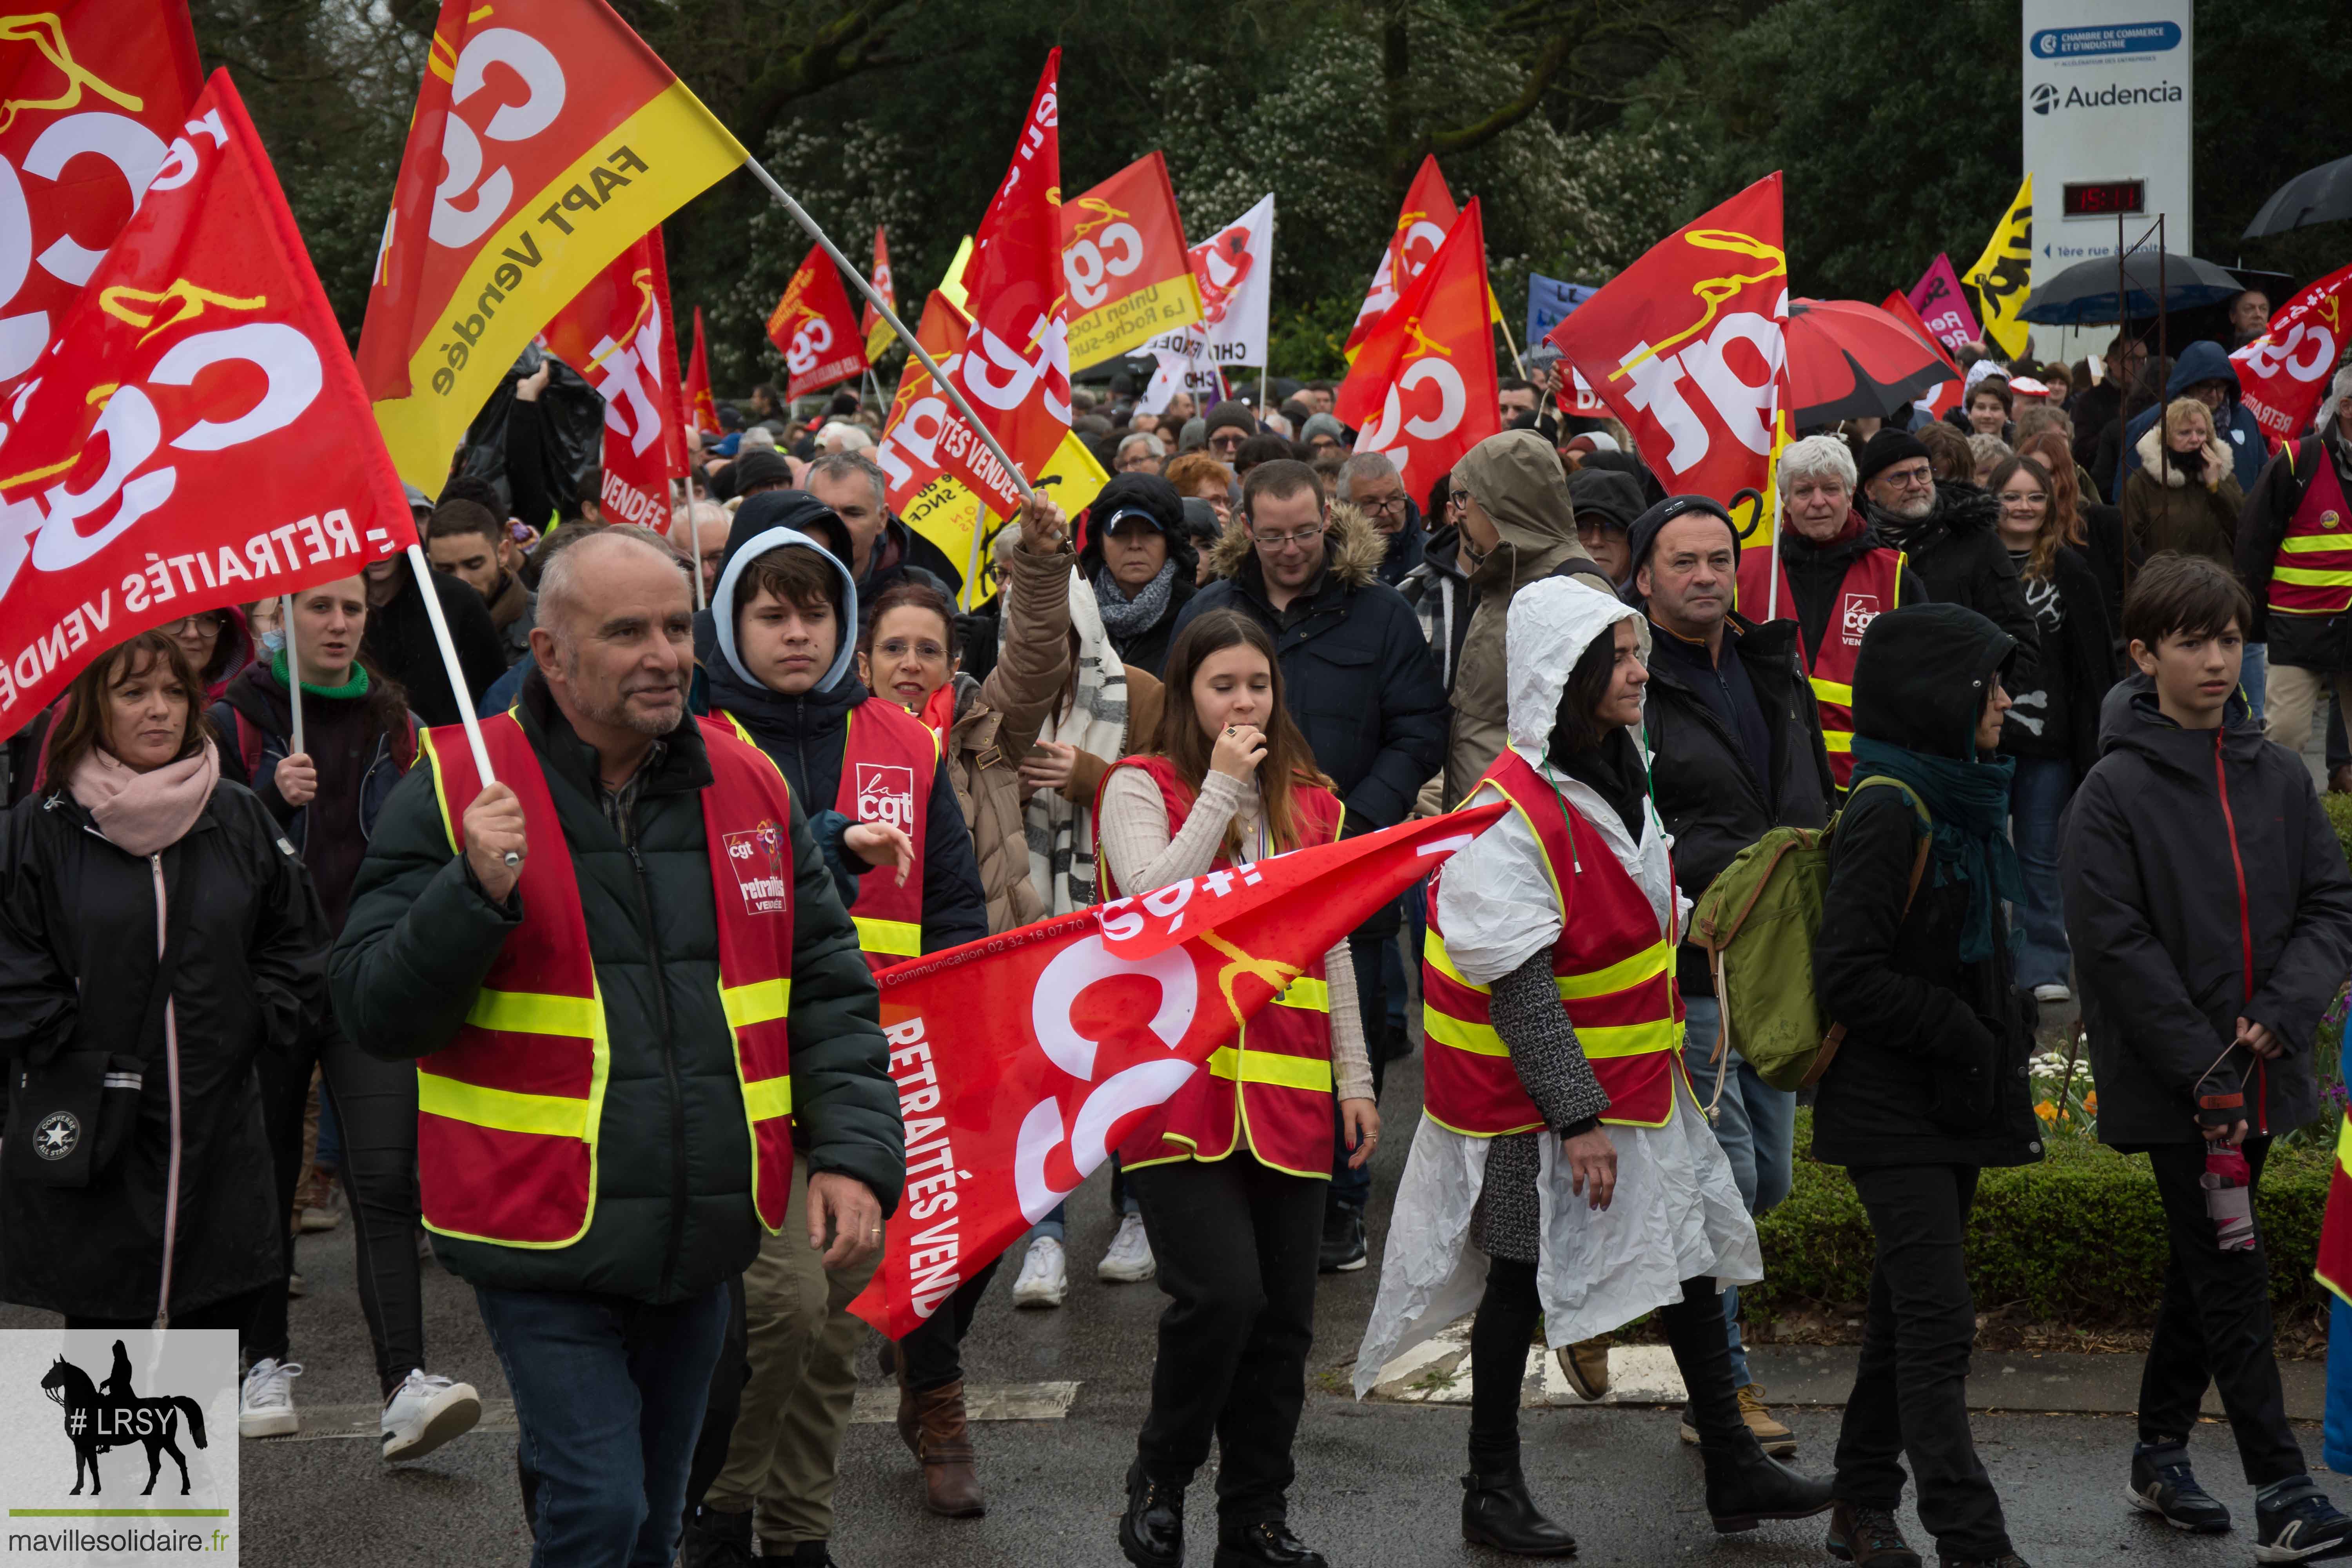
(1044, 1277)
(426, 1412)
(1129, 1257)
(2053, 993)
(264, 1405)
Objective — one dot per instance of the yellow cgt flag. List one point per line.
(2003, 275)
(547, 140)
(949, 515)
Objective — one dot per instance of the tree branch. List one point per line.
(1468, 138)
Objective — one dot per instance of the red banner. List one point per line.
(2333, 1264)
(1123, 256)
(1022, 1060)
(109, 79)
(2284, 374)
(1945, 395)
(700, 406)
(198, 438)
(1422, 226)
(813, 327)
(923, 439)
(1423, 387)
(1686, 348)
(616, 333)
(876, 331)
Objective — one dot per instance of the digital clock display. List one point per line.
(2105, 198)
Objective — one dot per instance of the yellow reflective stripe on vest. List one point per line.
(904, 938)
(769, 1098)
(535, 1013)
(1837, 740)
(1306, 995)
(1432, 951)
(1266, 1067)
(1628, 1039)
(2311, 576)
(1830, 691)
(550, 1115)
(1462, 1033)
(761, 1001)
(2311, 543)
(1646, 965)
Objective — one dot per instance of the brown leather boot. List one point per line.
(951, 1485)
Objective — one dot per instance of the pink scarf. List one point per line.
(144, 813)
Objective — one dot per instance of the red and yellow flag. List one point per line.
(198, 438)
(701, 409)
(547, 139)
(1422, 226)
(616, 333)
(2334, 1268)
(812, 328)
(876, 330)
(1124, 259)
(1423, 387)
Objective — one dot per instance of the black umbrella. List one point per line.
(2316, 195)
(2086, 291)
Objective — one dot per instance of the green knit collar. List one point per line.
(355, 687)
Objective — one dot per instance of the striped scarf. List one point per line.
(1062, 836)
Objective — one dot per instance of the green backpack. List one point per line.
(1756, 921)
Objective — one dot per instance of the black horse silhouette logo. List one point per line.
(115, 1417)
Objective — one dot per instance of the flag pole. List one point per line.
(1512, 344)
(971, 572)
(293, 665)
(423, 570)
(1772, 490)
(874, 298)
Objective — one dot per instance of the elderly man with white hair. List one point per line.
(1139, 452)
(698, 531)
(840, 436)
(1837, 577)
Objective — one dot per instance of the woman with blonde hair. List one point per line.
(2185, 494)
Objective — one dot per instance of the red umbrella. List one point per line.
(1850, 361)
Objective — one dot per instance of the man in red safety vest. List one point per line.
(2294, 557)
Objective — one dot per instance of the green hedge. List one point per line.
(2077, 1238)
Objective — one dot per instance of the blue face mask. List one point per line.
(272, 644)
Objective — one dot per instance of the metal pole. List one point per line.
(873, 297)
(424, 570)
(293, 666)
(1773, 490)
(971, 570)
(1517, 363)
(2163, 295)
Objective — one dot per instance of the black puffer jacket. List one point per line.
(2199, 869)
(77, 965)
(1148, 648)
(673, 1213)
(1708, 795)
(399, 641)
(1958, 557)
(1933, 1071)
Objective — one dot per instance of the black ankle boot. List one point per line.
(1151, 1531)
(1746, 1486)
(716, 1539)
(1497, 1511)
(1269, 1544)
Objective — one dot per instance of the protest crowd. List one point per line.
(545, 893)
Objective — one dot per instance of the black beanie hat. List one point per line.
(1886, 450)
(1650, 523)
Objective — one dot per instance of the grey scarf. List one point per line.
(1125, 618)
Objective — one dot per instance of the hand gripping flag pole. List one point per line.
(874, 298)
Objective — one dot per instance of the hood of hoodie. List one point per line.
(1352, 551)
(1919, 679)
(2203, 360)
(1614, 495)
(1146, 493)
(2131, 721)
(1517, 479)
(1552, 622)
(773, 519)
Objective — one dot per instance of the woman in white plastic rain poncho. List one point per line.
(1561, 1167)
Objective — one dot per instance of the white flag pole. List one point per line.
(293, 665)
(424, 570)
(1772, 493)
(873, 297)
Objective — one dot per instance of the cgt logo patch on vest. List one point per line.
(757, 854)
(885, 792)
(1855, 612)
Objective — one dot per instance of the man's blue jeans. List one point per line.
(1755, 1124)
(609, 1394)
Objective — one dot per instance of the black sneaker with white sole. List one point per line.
(2163, 1484)
(1343, 1250)
(2295, 1522)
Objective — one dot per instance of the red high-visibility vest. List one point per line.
(508, 1112)
(1613, 964)
(1270, 1091)
(1873, 585)
(2313, 573)
(888, 759)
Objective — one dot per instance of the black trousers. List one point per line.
(2214, 1326)
(237, 1312)
(934, 1351)
(1910, 1388)
(1236, 1245)
(376, 1102)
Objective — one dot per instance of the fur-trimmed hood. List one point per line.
(2155, 458)
(1353, 549)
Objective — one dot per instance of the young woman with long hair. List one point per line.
(1232, 1175)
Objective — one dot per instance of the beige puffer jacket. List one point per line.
(996, 723)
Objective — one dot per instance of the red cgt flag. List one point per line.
(1022, 1060)
(813, 327)
(2284, 373)
(701, 409)
(1422, 226)
(109, 78)
(616, 333)
(923, 427)
(876, 331)
(1124, 258)
(2333, 1264)
(1686, 346)
(1943, 395)
(1423, 387)
(198, 438)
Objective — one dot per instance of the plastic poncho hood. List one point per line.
(1552, 622)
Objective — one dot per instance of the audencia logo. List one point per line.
(112, 1416)
(2043, 97)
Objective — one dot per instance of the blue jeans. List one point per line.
(2038, 793)
(1755, 1125)
(609, 1394)
(1057, 1223)
(2253, 675)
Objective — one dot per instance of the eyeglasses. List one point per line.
(1227, 440)
(205, 624)
(1911, 478)
(1381, 506)
(1301, 538)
